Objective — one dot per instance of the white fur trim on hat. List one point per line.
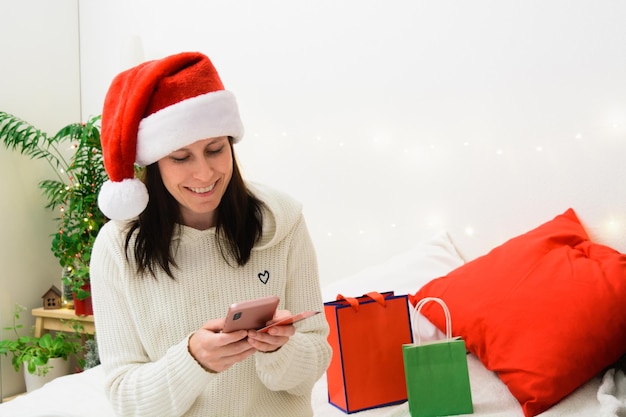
(205, 116)
(123, 200)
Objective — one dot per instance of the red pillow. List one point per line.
(545, 310)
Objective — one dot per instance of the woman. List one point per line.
(186, 242)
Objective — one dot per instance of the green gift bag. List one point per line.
(437, 379)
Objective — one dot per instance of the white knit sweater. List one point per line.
(142, 323)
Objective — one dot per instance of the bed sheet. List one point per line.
(602, 396)
(491, 398)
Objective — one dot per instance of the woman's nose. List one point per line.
(203, 169)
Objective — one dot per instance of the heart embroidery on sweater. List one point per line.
(264, 276)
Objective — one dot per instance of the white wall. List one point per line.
(39, 83)
(393, 120)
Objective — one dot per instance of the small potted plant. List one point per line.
(40, 355)
(75, 155)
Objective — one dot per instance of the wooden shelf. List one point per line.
(60, 319)
(7, 399)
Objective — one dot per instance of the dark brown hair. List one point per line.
(239, 223)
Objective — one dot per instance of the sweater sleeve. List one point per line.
(297, 365)
(135, 384)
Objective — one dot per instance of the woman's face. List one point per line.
(197, 176)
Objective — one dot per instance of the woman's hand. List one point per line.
(217, 351)
(275, 337)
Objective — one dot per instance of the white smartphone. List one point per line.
(251, 314)
(290, 320)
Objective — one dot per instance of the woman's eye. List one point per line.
(215, 151)
(179, 158)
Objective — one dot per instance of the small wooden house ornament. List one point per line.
(52, 298)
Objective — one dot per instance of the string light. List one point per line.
(415, 152)
(612, 226)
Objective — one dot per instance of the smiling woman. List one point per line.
(203, 240)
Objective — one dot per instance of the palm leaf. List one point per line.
(74, 191)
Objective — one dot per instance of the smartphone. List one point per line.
(251, 314)
(290, 320)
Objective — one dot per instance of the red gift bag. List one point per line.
(367, 334)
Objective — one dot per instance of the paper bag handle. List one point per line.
(418, 308)
(354, 302)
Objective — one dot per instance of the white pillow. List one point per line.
(404, 273)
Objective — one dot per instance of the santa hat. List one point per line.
(152, 110)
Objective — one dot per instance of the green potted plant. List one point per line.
(36, 354)
(73, 192)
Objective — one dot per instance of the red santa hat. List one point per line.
(152, 110)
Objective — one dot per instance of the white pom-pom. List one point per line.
(123, 200)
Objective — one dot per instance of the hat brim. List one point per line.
(205, 116)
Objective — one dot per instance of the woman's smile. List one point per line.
(202, 190)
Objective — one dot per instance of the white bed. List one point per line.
(603, 396)
(489, 396)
